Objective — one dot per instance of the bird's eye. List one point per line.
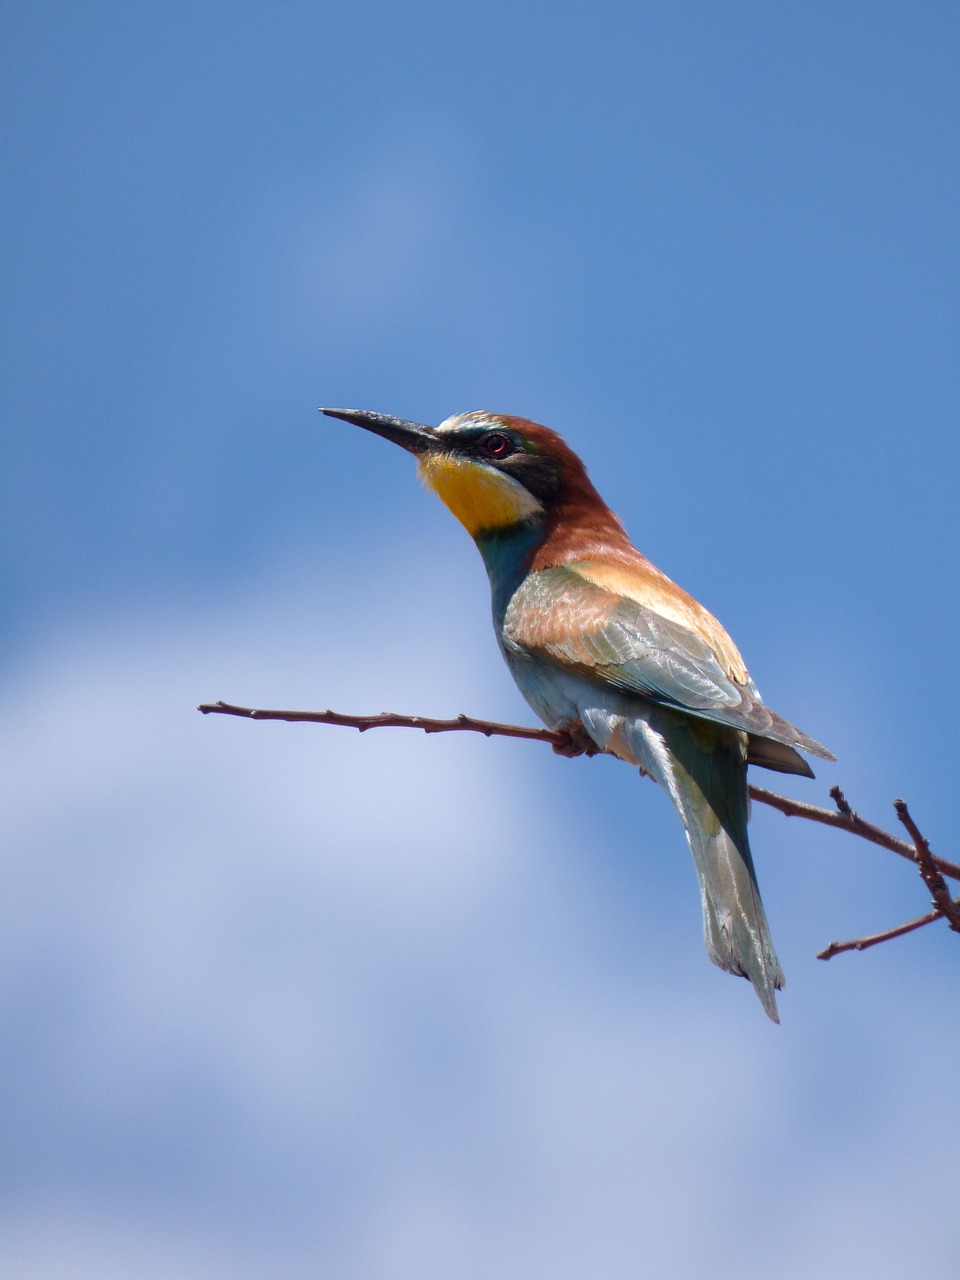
(496, 445)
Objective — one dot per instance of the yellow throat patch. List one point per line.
(480, 497)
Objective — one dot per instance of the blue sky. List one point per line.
(288, 1001)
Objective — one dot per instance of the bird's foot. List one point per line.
(579, 742)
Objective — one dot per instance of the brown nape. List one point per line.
(582, 528)
(580, 525)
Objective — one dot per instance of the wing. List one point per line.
(559, 615)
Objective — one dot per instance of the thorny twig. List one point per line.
(844, 818)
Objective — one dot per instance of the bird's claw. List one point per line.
(578, 743)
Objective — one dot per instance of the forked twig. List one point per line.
(847, 819)
(930, 870)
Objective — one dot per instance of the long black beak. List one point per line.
(412, 436)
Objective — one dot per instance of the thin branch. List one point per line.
(843, 819)
(927, 865)
(861, 944)
(847, 819)
(391, 720)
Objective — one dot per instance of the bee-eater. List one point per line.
(605, 646)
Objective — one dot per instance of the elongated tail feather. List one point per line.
(702, 767)
(710, 793)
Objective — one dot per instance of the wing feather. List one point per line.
(560, 615)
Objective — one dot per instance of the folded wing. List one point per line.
(559, 615)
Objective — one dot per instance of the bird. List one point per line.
(607, 649)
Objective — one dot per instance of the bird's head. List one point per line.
(493, 471)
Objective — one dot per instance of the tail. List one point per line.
(707, 781)
(703, 768)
